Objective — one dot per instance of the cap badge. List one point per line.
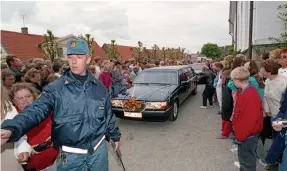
(73, 44)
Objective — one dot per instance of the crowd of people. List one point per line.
(251, 101)
(25, 82)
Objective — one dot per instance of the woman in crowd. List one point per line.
(21, 149)
(274, 87)
(117, 78)
(33, 76)
(24, 94)
(8, 79)
(218, 68)
(283, 62)
(106, 77)
(209, 90)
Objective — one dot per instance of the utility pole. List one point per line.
(250, 30)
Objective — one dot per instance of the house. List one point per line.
(126, 52)
(265, 24)
(26, 46)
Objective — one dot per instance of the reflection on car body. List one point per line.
(156, 94)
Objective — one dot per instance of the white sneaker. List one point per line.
(203, 107)
(237, 164)
(234, 148)
(263, 163)
(210, 106)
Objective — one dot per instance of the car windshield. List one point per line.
(197, 66)
(157, 77)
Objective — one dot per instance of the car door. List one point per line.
(183, 86)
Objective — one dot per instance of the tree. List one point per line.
(171, 54)
(112, 51)
(50, 47)
(281, 42)
(180, 53)
(211, 50)
(155, 52)
(139, 54)
(89, 40)
(164, 53)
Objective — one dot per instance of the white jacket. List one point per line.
(273, 94)
(21, 145)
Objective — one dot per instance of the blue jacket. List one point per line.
(82, 113)
(283, 108)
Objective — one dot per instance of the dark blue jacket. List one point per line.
(82, 113)
(283, 108)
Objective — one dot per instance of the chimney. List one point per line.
(24, 30)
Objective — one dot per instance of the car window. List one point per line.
(187, 73)
(157, 77)
(182, 76)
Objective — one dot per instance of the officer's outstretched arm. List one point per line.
(113, 129)
(31, 116)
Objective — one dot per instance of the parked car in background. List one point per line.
(156, 94)
(197, 69)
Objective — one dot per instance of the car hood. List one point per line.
(148, 92)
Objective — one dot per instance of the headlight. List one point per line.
(156, 105)
(116, 103)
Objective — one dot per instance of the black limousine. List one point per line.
(156, 94)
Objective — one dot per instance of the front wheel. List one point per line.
(174, 114)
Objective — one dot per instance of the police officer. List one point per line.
(82, 115)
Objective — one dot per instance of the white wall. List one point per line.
(265, 23)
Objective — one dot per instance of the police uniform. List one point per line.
(82, 117)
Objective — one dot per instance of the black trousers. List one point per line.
(208, 95)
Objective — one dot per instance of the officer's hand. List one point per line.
(117, 145)
(5, 135)
(23, 157)
(276, 126)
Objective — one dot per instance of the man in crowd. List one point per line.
(58, 68)
(15, 65)
(82, 115)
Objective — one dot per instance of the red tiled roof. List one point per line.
(126, 52)
(98, 51)
(24, 46)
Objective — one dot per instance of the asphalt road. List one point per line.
(188, 144)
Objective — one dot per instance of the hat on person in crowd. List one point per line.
(77, 47)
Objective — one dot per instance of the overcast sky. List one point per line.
(170, 24)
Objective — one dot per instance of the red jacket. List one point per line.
(106, 79)
(248, 114)
(39, 135)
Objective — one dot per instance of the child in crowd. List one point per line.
(227, 106)
(247, 119)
